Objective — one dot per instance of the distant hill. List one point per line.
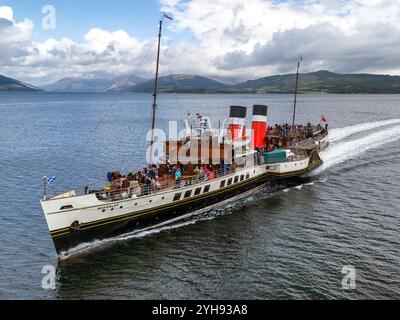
(78, 85)
(181, 83)
(323, 81)
(8, 84)
(314, 82)
(92, 84)
(124, 83)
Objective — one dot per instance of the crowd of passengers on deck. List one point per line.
(282, 136)
(149, 180)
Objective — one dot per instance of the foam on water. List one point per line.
(342, 133)
(344, 151)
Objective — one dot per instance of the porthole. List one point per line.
(66, 207)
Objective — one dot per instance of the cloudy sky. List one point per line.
(218, 38)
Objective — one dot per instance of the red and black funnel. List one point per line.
(237, 123)
(259, 126)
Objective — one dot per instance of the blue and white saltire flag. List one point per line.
(51, 180)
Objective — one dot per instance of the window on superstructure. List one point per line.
(248, 175)
(66, 207)
(222, 184)
(188, 194)
(242, 177)
(229, 181)
(207, 188)
(236, 179)
(197, 192)
(178, 196)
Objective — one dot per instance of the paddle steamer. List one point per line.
(214, 165)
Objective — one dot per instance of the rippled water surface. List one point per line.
(286, 242)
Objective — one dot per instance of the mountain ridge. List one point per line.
(322, 81)
(10, 84)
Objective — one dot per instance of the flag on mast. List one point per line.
(323, 119)
(166, 16)
(50, 180)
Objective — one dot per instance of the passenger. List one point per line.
(178, 177)
(116, 185)
(196, 171)
(206, 173)
(140, 177)
(157, 184)
(201, 175)
(152, 174)
(127, 182)
(109, 176)
(147, 188)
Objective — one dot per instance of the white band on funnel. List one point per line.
(260, 119)
(237, 121)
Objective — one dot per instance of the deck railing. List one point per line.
(141, 189)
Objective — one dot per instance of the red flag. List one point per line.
(323, 119)
(167, 16)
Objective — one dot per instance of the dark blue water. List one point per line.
(290, 242)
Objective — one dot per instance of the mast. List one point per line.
(295, 94)
(153, 123)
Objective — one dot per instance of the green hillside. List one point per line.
(181, 83)
(323, 81)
